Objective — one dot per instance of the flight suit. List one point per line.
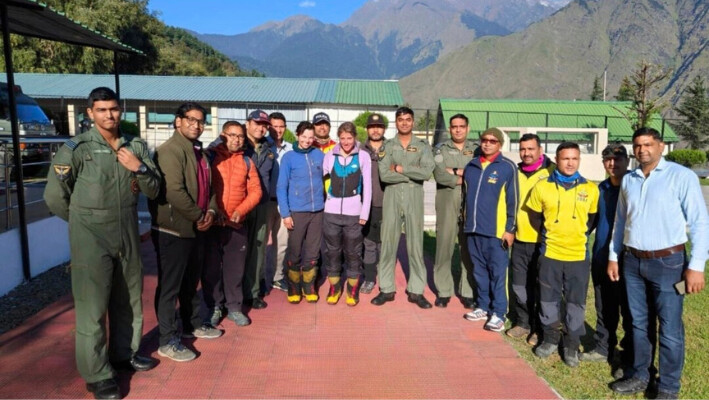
(89, 188)
(403, 204)
(448, 212)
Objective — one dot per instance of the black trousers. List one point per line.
(179, 269)
(225, 262)
(304, 240)
(372, 244)
(524, 270)
(343, 236)
(611, 303)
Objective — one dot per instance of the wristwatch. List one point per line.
(141, 170)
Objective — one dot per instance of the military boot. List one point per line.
(335, 292)
(352, 291)
(308, 284)
(294, 285)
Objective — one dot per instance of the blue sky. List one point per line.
(230, 17)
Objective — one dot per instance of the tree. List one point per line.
(361, 124)
(695, 109)
(625, 91)
(644, 104)
(597, 92)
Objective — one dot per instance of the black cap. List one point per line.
(321, 117)
(258, 116)
(375, 120)
(615, 150)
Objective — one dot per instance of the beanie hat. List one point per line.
(496, 133)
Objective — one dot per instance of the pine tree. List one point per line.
(695, 109)
(597, 92)
(643, 85)
(625, 91)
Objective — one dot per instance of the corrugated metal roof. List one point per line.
(215, 89)
(549, 113)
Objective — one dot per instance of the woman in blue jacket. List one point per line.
(301, 203)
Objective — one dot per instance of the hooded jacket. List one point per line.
(236, 189)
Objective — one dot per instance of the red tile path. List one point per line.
(290, 351)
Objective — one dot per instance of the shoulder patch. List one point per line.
(71, 144)
(62, 171)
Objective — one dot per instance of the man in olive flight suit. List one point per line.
(405, 162)
(93, 184)
(451, 157)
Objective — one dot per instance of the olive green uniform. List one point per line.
(448, 212)
(403, 204)
(90, 189)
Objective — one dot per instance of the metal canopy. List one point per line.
(30, 18)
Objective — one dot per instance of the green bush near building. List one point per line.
(687, 157)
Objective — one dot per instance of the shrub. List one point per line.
(687, 157)
(289, 136)
(361, 124)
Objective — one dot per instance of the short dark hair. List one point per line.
(303, 126)
(403, 110)
(461, 116)
(277, 115)
(189, 106)
(348, 127)
(102, 94)
(229, 124)
(567, 145)
(645, 131)
(530, 136)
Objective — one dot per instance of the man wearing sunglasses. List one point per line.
(491, 195)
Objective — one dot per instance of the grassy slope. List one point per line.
(590, 380)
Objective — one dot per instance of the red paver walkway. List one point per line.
(290, 351)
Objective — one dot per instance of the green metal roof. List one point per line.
(216, 89)
(548, 113)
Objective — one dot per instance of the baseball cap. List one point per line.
(615, 150)
(258, 116)
(375, 119)
(321, 117)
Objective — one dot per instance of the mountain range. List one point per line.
(560, 56)
(383, 39)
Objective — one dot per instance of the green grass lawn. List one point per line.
(590, 380)
(704, 181)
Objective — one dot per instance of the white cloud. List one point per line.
(305, 4)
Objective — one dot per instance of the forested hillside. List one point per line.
(168, 50)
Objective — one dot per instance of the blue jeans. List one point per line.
(657, 276)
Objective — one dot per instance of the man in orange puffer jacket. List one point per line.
(238, 190)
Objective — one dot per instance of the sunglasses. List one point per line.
(489, 141)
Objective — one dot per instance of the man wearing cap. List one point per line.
(611, 298)
(567, 204)
(490, 184)
(321, 121)
(405, 162)
(376, 125)
(451, 157)
(277, 232)
(659, 203)
(260, 149)
(535, 166)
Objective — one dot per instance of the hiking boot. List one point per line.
(545, 349)
(205, 331)
(294, 286)
(517, 332)
(476, 315)
(592, 356)
(308, 285)
(495, 324)
(352, 293)
(571, 358)
(533, 339)
(216, 316)
(239, 318)
(367, 287)
(335, 292)
(629, 386)
(176, 351)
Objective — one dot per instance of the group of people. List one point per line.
(250, 213)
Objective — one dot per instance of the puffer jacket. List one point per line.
(236, 189)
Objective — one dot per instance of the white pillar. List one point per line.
(143, 121)
(71, 116)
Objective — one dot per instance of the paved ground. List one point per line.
(290, 351)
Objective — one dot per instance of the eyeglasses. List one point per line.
(236, 137)
(192, 121)
(490, 141)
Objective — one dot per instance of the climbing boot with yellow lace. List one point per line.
(352, 293)
(308, 284)
(335, 292)
(294, 286)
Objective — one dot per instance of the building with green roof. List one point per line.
(150, 101)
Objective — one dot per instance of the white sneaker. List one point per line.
(477, 314)
(495, 324)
